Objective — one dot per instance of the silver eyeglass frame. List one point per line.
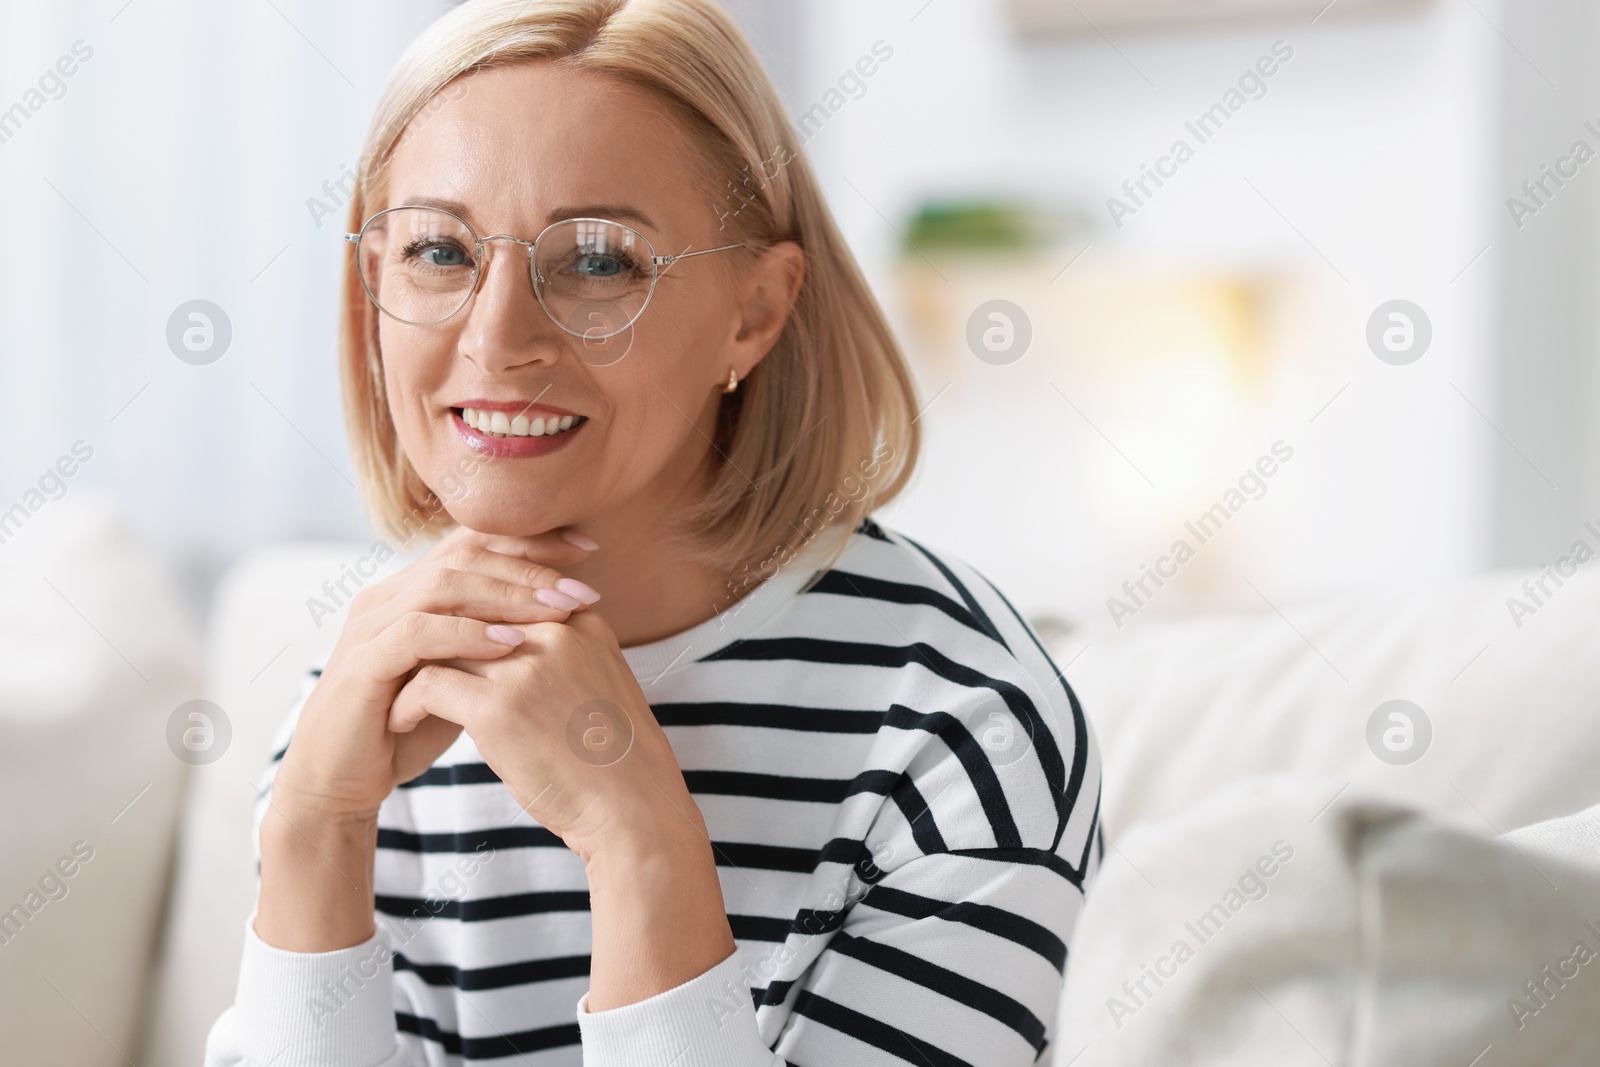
(658, 265)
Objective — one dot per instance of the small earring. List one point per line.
(733, 381)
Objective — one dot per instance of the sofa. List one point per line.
(1228, 740)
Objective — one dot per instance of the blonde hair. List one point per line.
(824, 429)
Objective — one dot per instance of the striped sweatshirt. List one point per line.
(902, 793)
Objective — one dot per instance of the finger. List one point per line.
(561, 544)
(440, 691)
(416, 751)
(472, 557)
(419, 636)
(462, 543)
(451, 591)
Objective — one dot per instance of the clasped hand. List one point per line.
(466, 637)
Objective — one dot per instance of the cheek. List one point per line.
(407, 384)
(681, 341)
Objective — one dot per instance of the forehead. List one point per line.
(525, 144)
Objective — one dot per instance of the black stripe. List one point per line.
(775, 993)
(986, 624)
(759, 928)
(756, 857)
(849, 851)
(1080, 729)
(488, 1048)
(924, 827)
(454, 774)
(1036, 857)
(721, 783)
(865, 587)
(873, 530)
(806, 923)
(1080, 762)
(874, 1032)
(741, 854)
(1088, 839)
(946, 982)
(809, 923)
(470, 841)
(486, 908)
(786, 787)
(985, 917)
(500, 977)
(980, 771)
(768, 716)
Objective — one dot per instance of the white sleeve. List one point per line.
(309, 1009)
(708, 1021)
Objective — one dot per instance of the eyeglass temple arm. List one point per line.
(667, 261)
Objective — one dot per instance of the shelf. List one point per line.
(1087, 16)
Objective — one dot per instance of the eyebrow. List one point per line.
(616, 212)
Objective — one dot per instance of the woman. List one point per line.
(665, 752)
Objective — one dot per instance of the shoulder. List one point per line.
(950, 620)
(883, 564)
(996, 746)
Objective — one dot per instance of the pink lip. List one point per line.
(512, 447)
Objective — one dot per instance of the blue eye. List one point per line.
(598, 266)
(442, 256)
(430, 252)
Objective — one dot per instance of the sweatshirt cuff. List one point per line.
(315, 1009)
(711, 1016)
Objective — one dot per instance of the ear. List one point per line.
(769, 292)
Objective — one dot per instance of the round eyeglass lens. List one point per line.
(417, 264)
(593, 277)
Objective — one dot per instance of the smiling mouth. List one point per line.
(499, 424)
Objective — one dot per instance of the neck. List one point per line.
(649, 587)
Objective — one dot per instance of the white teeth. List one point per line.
(499, 424)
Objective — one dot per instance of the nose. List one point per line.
(506, 327)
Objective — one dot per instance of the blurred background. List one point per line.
(205, 152)
(1302, 286)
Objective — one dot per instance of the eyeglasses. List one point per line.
(593, 277)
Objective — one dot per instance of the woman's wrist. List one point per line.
(657, 911)
(316, 878)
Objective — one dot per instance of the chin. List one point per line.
(501, 521)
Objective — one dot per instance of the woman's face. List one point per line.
(511, 150)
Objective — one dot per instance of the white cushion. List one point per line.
(1388, 935)
(1183, 707)
(261, 639)
(97, 657)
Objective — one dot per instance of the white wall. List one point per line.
(184, 151)
(1377, 140)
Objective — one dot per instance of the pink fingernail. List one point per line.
(573, 537)
(552, 598)
(573, 587)
(505, 635)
